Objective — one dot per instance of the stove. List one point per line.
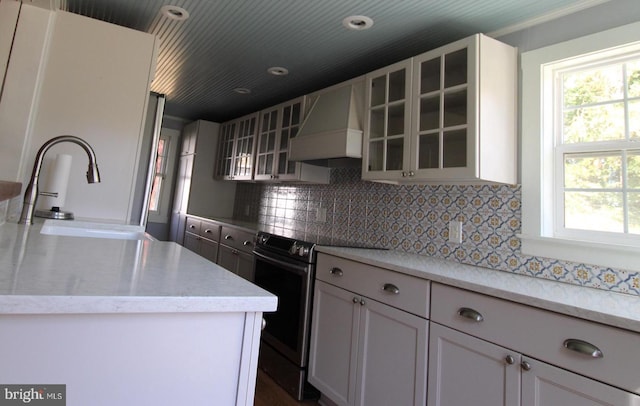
(286, 268)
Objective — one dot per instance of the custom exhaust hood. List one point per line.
(333, 126)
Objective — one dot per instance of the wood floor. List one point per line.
(268, 393)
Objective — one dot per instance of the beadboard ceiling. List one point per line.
(227, 44)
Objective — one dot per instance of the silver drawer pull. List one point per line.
(208, 231)
(583, 347)
(228, 237)
(336, 272)
(470, 314)
(246, 243)
(391, 288)
(191, 226)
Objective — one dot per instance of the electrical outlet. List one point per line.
(321, 214)
(455, 231)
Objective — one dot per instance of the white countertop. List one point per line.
(59, 274)
(611, 308)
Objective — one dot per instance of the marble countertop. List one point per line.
(58, 274)
(611, 308)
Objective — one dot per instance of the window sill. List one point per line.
(584, 252)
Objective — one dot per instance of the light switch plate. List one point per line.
(455, 231)
(321, 214)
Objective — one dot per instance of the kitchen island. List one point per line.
(124, 322)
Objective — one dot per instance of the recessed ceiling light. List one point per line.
(357, 23)
(242, 90)
(278, 71)
(174, 12)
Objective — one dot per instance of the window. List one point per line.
(160, 174)
(581, 149)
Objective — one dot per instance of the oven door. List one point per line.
(287, 328)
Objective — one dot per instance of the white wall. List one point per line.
(94, 84)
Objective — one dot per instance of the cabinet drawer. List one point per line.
(210, 230)
(193, 225)
(412, 293)
(542, 334)
(238, 239)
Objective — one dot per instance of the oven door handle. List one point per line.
(296, 268)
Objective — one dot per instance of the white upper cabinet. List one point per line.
(445, 116)
(278, 125)
(387, 129)
(237, 148)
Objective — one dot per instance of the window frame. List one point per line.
(539, 196)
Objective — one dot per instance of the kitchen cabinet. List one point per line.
(465, 370)
(237, 148)
(502, 353)
(202, 237)
(236, 251)
(197, 192)
(366, 347)
(445, 116)
(278, 125)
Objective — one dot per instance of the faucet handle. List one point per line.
(48, 194)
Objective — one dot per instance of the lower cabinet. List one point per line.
(484, 351)
(229, 247)
(465, 370)
(238, 262)
(236, 251)
(201, 237)
(364, 352)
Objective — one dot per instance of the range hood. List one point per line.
(333, 126)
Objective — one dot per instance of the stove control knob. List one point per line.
(294, 249)
(303, 251)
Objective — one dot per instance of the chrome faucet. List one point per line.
(31, 194)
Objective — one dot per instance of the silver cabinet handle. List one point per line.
(391, 288)
(411, 173)
(362, 302)
(264, 324)
(228, 237)
(191, 226)
(208, 231)
(336, 272)
(525, 365)
(470, 314)
(509, 359)
(583, 347)
(355, 300)
(247, 243)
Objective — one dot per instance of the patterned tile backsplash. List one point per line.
(415, 219)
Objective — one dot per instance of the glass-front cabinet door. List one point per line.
(236, 148)
(224, 163)
(386, 148)
(277, 126)
(247, 128)
(443, 111)
(266, 153)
